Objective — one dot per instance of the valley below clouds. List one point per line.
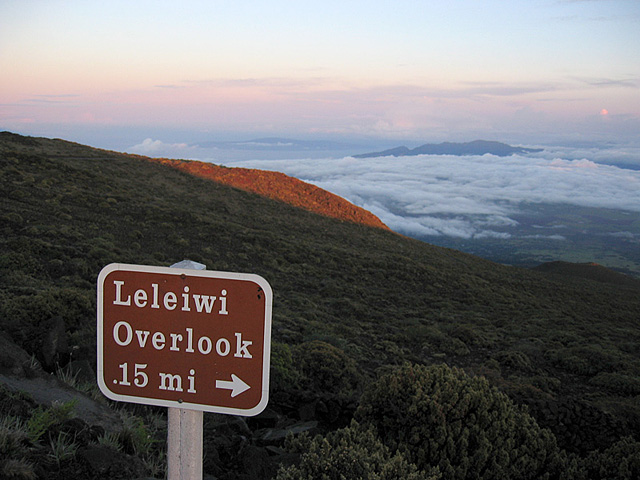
(564, 203)
(468, 197)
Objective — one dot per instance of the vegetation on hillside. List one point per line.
(591, 270)
(555, 362)
(281, 187)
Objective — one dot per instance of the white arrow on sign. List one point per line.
(236, 385)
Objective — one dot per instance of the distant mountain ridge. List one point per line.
(477, 147)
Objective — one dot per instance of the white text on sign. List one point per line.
(201, 303)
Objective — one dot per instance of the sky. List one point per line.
(114, 74)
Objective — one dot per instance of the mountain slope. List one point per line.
(591, 271)
(281, 187)
(477, 147)
(349, 300)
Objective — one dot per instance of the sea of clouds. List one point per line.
(471, 196)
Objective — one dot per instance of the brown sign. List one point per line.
(184, 338)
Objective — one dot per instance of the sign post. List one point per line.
(185, 428)
(188, 339)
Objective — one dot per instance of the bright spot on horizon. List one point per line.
(604, 112)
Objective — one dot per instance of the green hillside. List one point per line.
(351, 303)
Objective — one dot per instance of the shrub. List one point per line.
(350, 453)
(617, 382)
(587, 359)
(284, 374)
(19, 469)
(620, 462)
(14, 447)
(327, 369)
(134, 437)
(27, 317)
(42, 419)
(441, 417)
(514, 359)
(62, 448)
(13, 435)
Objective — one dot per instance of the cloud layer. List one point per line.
(150, 146)
(465, 197)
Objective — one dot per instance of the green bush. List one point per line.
(617, 382)
(43, 418)
(587, 359)
(13, 436)
(284, 373)
(134, 437)
(441, 417)
(327, 369)
(27, 318)
(353, 453)
(620, 462)
(19, 469)
(514, 359)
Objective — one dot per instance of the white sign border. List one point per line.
(266, 360)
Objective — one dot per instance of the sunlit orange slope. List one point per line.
(281, 187)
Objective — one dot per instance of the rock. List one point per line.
(273, 450)
(107, 463)
(15, 404)
(55, 348)
(13, 359)
(18, 373)
(228, 425)
(276, 436)
(267, 419)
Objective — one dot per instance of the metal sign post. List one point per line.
(186, 338)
